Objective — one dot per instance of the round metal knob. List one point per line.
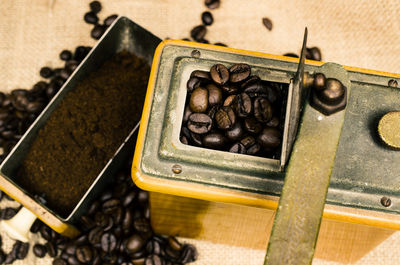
(389, 129)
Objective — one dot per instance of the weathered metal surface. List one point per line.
(302, 200)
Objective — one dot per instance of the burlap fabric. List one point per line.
(354, 33)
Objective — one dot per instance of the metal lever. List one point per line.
(302, 200)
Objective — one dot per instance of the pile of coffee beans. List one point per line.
(116, 230)
(91, 17)
(232, 110)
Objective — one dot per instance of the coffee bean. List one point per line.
(45, 232)
(269, 138)
(214, 140)
(219, 74)
(95, 6)
(212, 4)
(313, 53)
(252, 125)
(174, 243)
(22, 251)
(71, 65)
(46, 72)
(196, 139)
(230, 89)
(207, 18)
(110, 205)
(72, 260)
(8, 213)
(199, 100)
(134, 243)
(198, 32)
(97, 31)
(214, 95)
(189, 254)
(262, 109)
(51, 249)
(2, 257)
(39, 250)
(84, 254)
(238, 148)
(66, 55)
(242, 105)
(274, 122)
(235, 133)
(267, 23)
(225, 118)
(105, 196)
(129, 198)
(202, 75)
(192, 84)
(199, 123)
(229, 101)
(239, 72)
(108, 242)
(109, 20)
(290, 54)
(154, 260)
(91, 18)
(255, 89)
(139, 261)
(59, 261)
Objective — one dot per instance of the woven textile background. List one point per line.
(353, 33)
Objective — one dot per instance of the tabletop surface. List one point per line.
(352, 33)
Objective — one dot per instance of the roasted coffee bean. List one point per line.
(273, 92)
(108, 242)
(200, 123)
(46, 72)
(242, 105)
(109, 20)
(188, 254)
(202, 75)
(93, 207)
(192, 84)
(22, 251)
(72, 260)
(225, 118)
(214, 140)
(139, 261)
(219, 74)
(97, 31)
(34, 107)
(207, 18)
(59, 261)
(94, 236)
(154, 260)
(134, 243)
(212, 4)
(8, 213)
(91, 18)
(196, 139)
(128, 199)
(84, 254)
(254, 149)
(230, 89)
(274, 122)
(10, 258)
(183, 139)
(66, 55)
(110, 205)
(154, 247)
(39, 250)
(214, 95)
(248, 141)
(235, 133)
(71, 65)
(186, 115)
(239, 72)
(199, 100)
(211, 112)
(290, 54)
(51, 249)
(238, 148)
(81, 240)
(313, 53)
(106, 195)
(95, 6)
(198, 32)
(254, 79)
(45, 232)
(262, 109)
(229, 100)
(267, 23)
(269, 138)
(252, 125)
(143, 197)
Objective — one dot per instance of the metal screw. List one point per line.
(176, 169)
(195, 54)
(385, 201)
(392, 83)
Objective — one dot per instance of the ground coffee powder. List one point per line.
(84, 132)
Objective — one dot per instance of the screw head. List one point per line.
(386, 202)
(176, 169)
(195, 54)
